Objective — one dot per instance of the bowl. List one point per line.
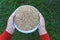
(28, 31)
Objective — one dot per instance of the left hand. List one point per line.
(10, 24)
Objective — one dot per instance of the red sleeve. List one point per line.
(44, 37)
(5, 36)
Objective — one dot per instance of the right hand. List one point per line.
(42, 22)
(41, 27)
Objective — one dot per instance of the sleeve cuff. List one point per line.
(44, 37)
(5, 35)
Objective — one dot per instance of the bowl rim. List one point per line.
(29, 31)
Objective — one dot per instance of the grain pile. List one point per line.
(26, 17)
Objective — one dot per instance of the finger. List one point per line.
(42, 21)
(12, 16)
(41, 17)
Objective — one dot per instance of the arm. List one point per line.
(42, 30)
(7, 34)
(44, 37)
(43, 34)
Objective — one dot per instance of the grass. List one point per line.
(49, 8)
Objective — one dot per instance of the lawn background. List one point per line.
(49, 8)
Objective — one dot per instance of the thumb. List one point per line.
(42, 21)
(12, 16)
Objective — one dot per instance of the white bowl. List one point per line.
(29, 31)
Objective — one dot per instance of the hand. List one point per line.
(41, 27)
(10, 24)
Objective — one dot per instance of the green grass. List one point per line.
(49, 8)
